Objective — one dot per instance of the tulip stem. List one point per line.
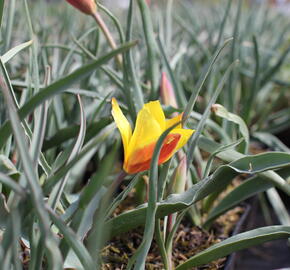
(160, 243)
(108, 36)
(170, 225)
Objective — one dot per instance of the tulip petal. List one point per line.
(147, 131)
(155, 109)
(122, 124)
(185, 134)
(140, 159)
(87, 6)
(173, 121)
(167, 92)
(150, 124)
(169, 147)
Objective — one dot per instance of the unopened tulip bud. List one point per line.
(86, 6)
(179, 177)
(167, 93)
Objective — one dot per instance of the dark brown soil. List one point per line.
(189, 240)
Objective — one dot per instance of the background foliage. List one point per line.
(61, 156)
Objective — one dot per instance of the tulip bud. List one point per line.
(86, 6)
(179, 177)
(167, 93)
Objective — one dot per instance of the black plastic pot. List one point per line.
(231, 259)
(268, 256)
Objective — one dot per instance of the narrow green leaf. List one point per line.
(271, 141)
(1, 11)
(32, 180)
(213, 126)
(202, 80)
(7, 167)
(114, 76)
(231, 95)
(57, 191)
(176, 86)
(255, 84)
(97, 236)
(152, 48)
(115, 20)
(43, 161)
(193, 141)
(11, 10)
(215, 153)
(222, 112)
(40, 120)
(186, 26)
(12, 52)
(268, 74)
(211, 146)
(223, 23)
(244, 191)
(70, 132)
(10, 183)
(121, 196)
(4, 212)
(98, 179)
(216, 182)
(235, 243)
(73, 241)
(59, 86)
(130, 75)
(278, 206)
(68, 58)
(16, 232)
(52, 180)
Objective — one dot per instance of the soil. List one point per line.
(271, 255)
(268, 256)
(189, 240)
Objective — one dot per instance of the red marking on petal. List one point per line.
(168, 147)
(141, 158)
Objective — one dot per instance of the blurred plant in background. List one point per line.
(220, 69)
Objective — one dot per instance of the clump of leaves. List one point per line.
(60, 152)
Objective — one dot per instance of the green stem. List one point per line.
(108, 36)
(160, 242)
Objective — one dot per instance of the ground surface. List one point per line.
(269, 256)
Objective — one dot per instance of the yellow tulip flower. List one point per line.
(150, 124)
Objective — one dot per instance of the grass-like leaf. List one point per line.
(216, 182)
(195, 137)
(59, 187)
(31, 177)
(12, 52)
(59, 86)
(73, 241)
(235, 243)
(202, 80)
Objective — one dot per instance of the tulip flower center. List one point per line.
(140, 160)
